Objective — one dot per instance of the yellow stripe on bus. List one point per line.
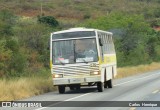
(108, 59)
(50, 64)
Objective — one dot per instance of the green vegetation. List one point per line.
(133, 37)
(24, 36)
(23, 46)
(49, 20)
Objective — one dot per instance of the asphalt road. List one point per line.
(144, 87)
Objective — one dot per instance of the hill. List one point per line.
(72, 12)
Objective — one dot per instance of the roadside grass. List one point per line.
(134, 70)
(14, 89)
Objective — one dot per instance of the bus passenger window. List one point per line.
(100, 42)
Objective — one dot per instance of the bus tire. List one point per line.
(61, 89)
(100, 86)
(109, 83)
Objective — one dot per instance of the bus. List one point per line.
(82, 57)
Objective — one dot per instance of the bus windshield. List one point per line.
(75, 51)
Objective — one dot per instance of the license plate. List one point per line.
(75, 80)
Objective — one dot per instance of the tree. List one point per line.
(49, 20)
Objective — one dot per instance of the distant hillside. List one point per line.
(74, 11)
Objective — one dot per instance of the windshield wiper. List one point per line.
(84, 60)
(61, 62)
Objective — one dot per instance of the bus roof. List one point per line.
(80, 29)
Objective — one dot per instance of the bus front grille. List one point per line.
(75, 70)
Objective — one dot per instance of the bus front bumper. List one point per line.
(67, 81)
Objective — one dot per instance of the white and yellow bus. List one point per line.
(82, 56)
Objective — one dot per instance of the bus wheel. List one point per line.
(61, 89)
(100, 86)
(109, 83)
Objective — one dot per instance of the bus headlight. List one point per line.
(95, 73)
(57, 75)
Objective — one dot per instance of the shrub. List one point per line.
(5, 56)
(49, 20)
(17, 64)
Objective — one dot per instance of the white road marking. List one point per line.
(156, 91)
(41, 108)
(133, 108)
(77, 96)
(135, 79)
(91, 92)
(64, 100)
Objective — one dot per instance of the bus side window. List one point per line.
(109, 44)
(101, 46)
(105, 44)
(113, 50)
(100, 42)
